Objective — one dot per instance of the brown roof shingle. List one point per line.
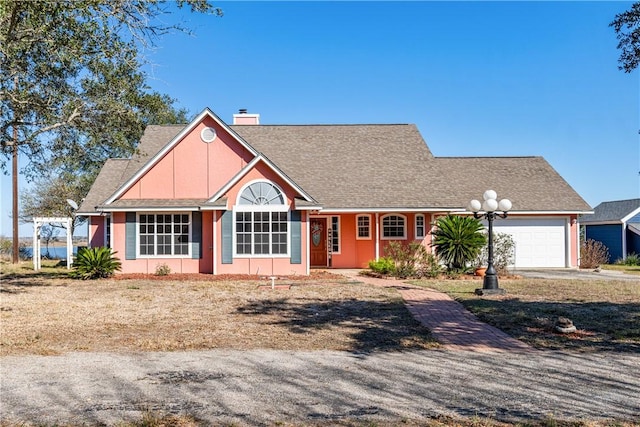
(346, 166)
(374, 167)
(107, 182)
(529, 182)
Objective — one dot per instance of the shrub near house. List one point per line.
(95, 263)
(458, 240)
(503, 253)
(406, 260)
(593, 254)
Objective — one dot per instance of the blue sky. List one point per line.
(505, 78)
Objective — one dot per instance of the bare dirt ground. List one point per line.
(48, 316)
(303, 388)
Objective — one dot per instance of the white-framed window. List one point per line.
(363, 225)
(335, 234)
(107, 231)
(261, 221)
(420, 226)
(262, 233)
(394, 227)
(164, 234)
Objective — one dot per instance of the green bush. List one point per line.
(404, 257)
(633, 259)
(406, 260)
(593, 254)
(412, 260)
(95, 263)
(458, 240)
(383, 265)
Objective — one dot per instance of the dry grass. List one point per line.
(606, 313)
(627, 269)
(48, 314)
(154, 420)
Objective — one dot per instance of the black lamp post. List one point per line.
(490, 209)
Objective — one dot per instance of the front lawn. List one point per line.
(605, 313)
(627, 269)
(48, 313)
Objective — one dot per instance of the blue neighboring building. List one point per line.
(617, 225)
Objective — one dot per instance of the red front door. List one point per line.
(318, 236)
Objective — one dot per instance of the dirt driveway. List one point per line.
(268, 387)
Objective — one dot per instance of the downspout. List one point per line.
(104, 232)
(577, 239)
(624, 241)
(215, 242)
(377, 236)
(307, 239)
(567, 251)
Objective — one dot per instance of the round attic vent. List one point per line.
(208, 134)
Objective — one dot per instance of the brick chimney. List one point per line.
(243, 118)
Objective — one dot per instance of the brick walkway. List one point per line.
(450, 323)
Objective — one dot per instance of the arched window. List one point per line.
(261, 221)
(394, 227)
(261, 193)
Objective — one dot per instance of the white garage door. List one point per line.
(539, 242)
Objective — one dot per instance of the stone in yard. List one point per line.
(564, 325)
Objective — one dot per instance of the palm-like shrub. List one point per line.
(457, 240)
(95, 263)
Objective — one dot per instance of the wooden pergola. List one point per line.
(38, 222)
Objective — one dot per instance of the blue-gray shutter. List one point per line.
(296, 238)
(227, 237)
(130, 236)
(196, 234)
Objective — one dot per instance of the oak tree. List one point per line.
(627, 28)
(71, 83)
(72, 92)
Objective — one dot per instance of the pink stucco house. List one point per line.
(248, 198)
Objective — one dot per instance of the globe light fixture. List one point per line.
(490, 208)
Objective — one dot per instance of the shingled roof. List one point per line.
(377, 167)
(348, 166)
(530, 183)
(107, 182)
(613, 212)
(115, 172)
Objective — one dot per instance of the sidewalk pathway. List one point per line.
(450, 323)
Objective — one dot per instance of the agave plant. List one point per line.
(457, 240)
(95, 263)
